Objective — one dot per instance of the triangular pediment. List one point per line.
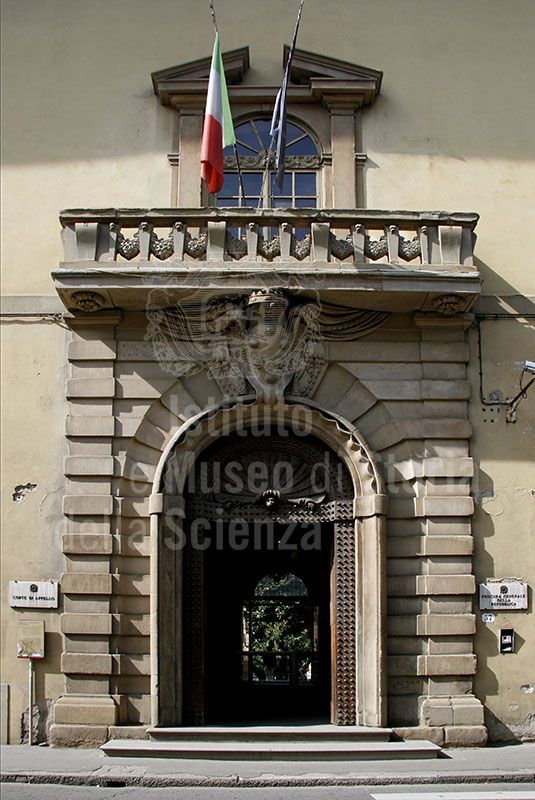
(307, 66)
(313, 78)
(236, 63)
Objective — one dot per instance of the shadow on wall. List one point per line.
(516, 302)
(42, 718)
(505, 734)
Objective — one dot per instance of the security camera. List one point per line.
(529, 366)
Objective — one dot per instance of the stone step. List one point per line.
(271, 733)
(269, 750)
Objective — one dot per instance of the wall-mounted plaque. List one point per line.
(503, 595)
(31, 639)
(33, 594)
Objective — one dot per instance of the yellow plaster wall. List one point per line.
(34, 355)
(504, 521)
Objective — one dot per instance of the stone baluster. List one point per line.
(80, 241)
(179, 235)
(145, 230)
(424, 244)
(467, 247)
(433, 245)
(107, 242)
(216, 241)
(450, 243)
(68, 239)
(392, 240)
(320, 241)
(285, 233)
(358, 232)
(252, 241)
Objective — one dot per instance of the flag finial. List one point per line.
(212, 12)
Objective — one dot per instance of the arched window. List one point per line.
(287, 585)
(300, 187)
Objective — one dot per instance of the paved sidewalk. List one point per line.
(20, 763)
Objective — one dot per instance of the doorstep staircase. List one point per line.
(272, 743)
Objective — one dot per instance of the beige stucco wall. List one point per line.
(504, 522)
(33, 446)
(452, 128)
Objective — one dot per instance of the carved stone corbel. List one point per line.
(88, 301)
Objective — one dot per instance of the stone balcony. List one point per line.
(387, 260)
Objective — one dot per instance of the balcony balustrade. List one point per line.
(119, 252)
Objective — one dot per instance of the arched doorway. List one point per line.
(258, 508)
(223, 507)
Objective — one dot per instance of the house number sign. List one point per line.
(503, 595)
(33, 594)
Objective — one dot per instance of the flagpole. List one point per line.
(266, 170)
(214, 20)
(278, 121)
(212, 12)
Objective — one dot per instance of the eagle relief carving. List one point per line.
(265, 341)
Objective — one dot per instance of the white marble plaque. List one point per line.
(33, 594)
(504, 595)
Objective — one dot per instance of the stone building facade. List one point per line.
(196, 335)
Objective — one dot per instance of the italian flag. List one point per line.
(218, 130)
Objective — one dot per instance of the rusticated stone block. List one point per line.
(87, 544)
(92, 505)
(402, 625)
(128, 732)
(402, 665)
(89, 426)
(86, 623)
(86, 663)
(134, 584)
(467, 711)
(444, 351)
(92, 350)
(86, 583)
(446, 428)
(403, 546)
(137, 471)
(132, 624)
(446, 624)
(401, 585)
(138, 387)
(150, 435)
(91, 387)
(85, 709)
(374, 352)
(89, 465)
(445, 584)
(445, 390)
(65, 735)
(447, 665)
(448, 506)
(133, 506)
(465, 736)
(435, 711)
(134, 664)
(447, 545)
(435, 735)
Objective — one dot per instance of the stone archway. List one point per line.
(357, 598)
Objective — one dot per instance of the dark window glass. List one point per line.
(253, 140)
